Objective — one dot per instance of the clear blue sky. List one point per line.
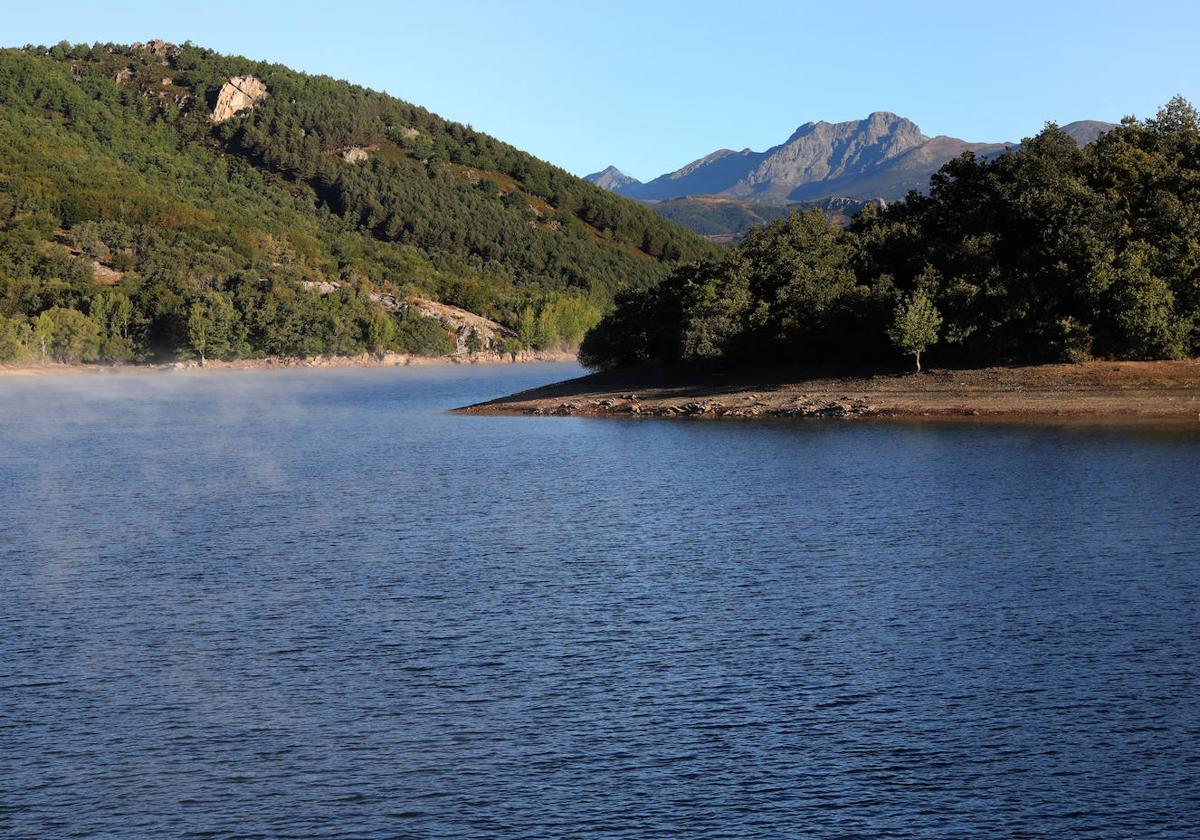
(652, 85)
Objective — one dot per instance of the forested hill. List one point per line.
(272, 213)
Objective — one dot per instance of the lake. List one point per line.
(313, 603)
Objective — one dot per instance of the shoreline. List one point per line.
(366, 360)
(1127, 392)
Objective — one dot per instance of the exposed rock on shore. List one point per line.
(364, 360)
(1131, 390)
(375, 360)
(845, 407)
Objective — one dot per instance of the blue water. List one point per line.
(313, 604)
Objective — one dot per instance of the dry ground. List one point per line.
(1116, 390)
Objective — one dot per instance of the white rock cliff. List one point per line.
(239, 94)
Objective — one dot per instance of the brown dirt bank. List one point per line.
(1164, 391)
(296, 363)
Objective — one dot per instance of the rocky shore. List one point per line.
(1094, 390)
(299, 363)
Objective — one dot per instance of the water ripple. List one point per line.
(313, 605)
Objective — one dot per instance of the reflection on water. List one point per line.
(314, 604)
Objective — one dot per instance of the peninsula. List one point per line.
(1161, 391)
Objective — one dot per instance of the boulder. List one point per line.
(104, 275)
(387, 301)
(321, 287)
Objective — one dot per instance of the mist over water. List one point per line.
(314, 604)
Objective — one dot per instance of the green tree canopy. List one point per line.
(1046, 252)
(108, 173)
(915, 328)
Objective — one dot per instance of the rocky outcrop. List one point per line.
(105, 275)
(241, 93)
(473, 333)
(488, 334)
(355, 154)
(321, 287)
(165, 50)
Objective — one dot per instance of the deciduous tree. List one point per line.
(916, 325)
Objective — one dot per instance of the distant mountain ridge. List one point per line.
(883, 156)
(1085, 131)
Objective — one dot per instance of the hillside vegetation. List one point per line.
(722, 219)
(1047, 252)
(132, 226)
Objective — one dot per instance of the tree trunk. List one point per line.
(918, 355)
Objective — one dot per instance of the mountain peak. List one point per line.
(611, 179)
(1085, 131)
(882, 155)
(876, 124)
